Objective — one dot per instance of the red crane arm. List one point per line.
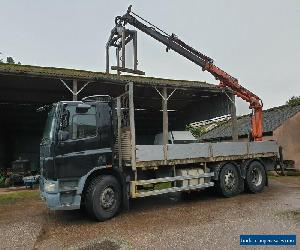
(255, 102)
(174, 43)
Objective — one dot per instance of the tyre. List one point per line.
(103, 197)
(255, 177)
(229, 183)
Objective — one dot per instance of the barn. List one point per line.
(26, 91)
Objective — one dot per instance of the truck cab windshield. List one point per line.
(49, 127)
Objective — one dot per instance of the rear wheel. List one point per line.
(255, 177)
(229, 183)
(103, 197)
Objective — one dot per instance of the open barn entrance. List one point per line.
(20, 132)
(184, 106)
(24, 89)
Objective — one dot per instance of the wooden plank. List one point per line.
(165, 122)
(135, 51)
(74, 90)
(234, 126)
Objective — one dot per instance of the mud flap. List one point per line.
(125, 203)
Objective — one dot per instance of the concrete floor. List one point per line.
(205, 221)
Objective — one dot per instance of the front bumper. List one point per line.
(60, 199)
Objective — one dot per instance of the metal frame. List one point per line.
(119, 131)
(132, 127)
(74, 89)
(206, 63)
(125, 118)
(119, 38)
(165, 97)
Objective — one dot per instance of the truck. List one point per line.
(93, 154)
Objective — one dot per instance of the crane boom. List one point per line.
(206, 63)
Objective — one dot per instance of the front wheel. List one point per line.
(255, 177)
(103, 197)
(229, 183)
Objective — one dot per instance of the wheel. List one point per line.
(229, 183)
(255, 177)
(103, 197)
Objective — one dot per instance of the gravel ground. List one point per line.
(205, 221)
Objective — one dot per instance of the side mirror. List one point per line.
(63, 135)
(65, 119)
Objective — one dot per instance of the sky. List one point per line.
(257, 42)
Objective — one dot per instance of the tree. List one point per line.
(10, 60)
(294, 100)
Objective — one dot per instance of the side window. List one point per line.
(84, 125)
(81, 125)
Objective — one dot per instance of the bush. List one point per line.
(293, 101)
(197, 132)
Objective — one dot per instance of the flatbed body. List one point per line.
(153, 155)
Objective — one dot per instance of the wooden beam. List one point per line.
(234, 126)
(74, 90)
(165, 121)
(135, 51)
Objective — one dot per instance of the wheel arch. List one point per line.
(261, 161)
(218, 180)
(218, 168)
(103, 170)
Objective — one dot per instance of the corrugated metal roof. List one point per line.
(51, 72)
(272, 119)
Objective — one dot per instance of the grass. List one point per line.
(163, 185)
(276, 176)
(14, 196)
(273, 175)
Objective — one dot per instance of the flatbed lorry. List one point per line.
(91, 155)
(84, 164)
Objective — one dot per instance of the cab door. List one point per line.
(79, 151)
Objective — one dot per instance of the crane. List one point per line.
(206, 63)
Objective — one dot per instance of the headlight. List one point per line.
(50, 187)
